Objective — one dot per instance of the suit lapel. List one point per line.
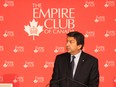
(68, 64)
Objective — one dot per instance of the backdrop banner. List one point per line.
(33, 32)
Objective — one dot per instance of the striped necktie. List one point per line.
(72, 65)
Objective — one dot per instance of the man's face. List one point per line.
(72, 46)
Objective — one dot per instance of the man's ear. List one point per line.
(79, 46)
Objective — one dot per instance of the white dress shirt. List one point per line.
(76, 60)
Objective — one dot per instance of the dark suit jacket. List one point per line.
(86, 73)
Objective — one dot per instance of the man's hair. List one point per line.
(79, 37)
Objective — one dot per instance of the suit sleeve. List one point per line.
(94, 75)
(55, 75)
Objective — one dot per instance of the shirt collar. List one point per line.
(77, 55)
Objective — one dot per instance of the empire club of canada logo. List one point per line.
(33, 29)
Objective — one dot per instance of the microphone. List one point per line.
(66, 78)
(54, 82)
(77, 82)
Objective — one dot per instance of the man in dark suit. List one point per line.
(75, 68)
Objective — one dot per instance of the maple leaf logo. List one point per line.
(33, 29)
